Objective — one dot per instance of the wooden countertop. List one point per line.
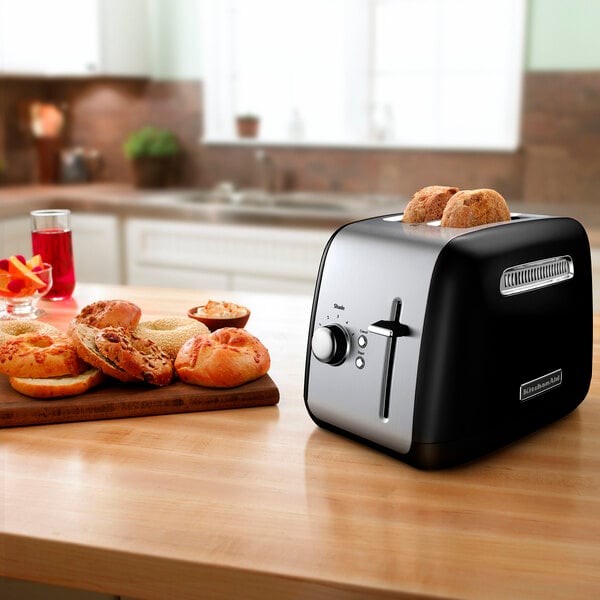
(260, 503)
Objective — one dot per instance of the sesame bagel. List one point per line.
(170, 333)
(11, 329)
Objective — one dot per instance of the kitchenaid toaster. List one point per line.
(439, 344)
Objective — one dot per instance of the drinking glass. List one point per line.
(51, 238)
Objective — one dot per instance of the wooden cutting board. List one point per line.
(114, 400)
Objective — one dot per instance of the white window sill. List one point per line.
(259, 142)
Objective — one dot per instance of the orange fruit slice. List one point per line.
(35, 261)
(21, 270)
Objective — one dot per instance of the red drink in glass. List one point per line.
(55, 247)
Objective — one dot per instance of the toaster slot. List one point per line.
(391, 330)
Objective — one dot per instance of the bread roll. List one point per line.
(226, 358)
(428, 204)
(105, 313)
(469, 208)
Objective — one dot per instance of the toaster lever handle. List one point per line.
(391, 329)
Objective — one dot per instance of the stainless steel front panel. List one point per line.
(366, 279)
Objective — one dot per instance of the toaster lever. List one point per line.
(391, 329)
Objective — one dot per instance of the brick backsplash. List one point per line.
(559, 160)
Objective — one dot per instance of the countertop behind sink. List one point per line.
(312, 209)
(307, 210)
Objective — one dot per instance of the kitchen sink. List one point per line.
(314, 202)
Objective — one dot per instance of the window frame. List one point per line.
(219, 100)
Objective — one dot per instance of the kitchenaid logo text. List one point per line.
(540, 385)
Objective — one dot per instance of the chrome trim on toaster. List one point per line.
(537, 274)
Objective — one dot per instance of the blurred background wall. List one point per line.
(558, 160)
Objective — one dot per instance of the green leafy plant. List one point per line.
(151, 141)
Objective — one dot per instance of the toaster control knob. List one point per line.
(330, 344)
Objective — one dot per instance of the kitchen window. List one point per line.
(398, 73)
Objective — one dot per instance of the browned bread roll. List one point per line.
(428, 204)
(39, 355)
(469, 208)
(105, 313)
(226, 358)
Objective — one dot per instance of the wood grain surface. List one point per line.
(113, 400)
(261, 503)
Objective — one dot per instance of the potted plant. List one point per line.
(247, 125)
(154, 154)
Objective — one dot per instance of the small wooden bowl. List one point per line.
(214, 322)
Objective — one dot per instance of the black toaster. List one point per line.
(438, 344)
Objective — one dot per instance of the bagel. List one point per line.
(138, 356)
(57, 387)
(469, 208)
(83, 338)
(11, 329)
(170, 333)
(40, 355)
(428, 203)
(108, 313)
(226, 358)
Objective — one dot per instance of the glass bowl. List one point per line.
(21, 291)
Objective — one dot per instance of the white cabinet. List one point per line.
(66, 37)
(228, 257)
(15, 236)
(97, 248)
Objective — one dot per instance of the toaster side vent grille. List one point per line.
(534, 275)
